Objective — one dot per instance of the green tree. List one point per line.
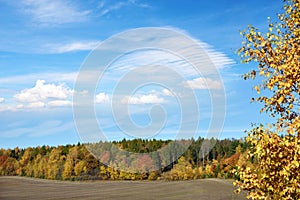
(277, 54)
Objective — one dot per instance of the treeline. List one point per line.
(157, 159)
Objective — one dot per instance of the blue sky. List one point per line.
(44, 43)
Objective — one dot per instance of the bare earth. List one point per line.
(16, 188)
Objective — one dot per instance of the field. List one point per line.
(15, 188)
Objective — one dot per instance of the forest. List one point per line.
(76, 162)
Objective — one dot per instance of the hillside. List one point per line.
(113, 160)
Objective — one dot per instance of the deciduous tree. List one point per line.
(277, 158)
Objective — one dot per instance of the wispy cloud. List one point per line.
(106, 9)
(219, 59)
(72, 46)
(1, 99)
(44, 47)
(183, 56)
(116, 6)
(50, 127)
(14, 132)
(31, 78)
(53, 12)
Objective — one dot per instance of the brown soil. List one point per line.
(15, 188)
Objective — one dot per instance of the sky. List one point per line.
(46, 44)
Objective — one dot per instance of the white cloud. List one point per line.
(42, 95)
(143, 99)
(37, 104)
(53, 12)
(7, 107)
(72, 46)
(42, 91)
(57, 103)
(83, 92)
(53, 91)
(168, 93)
(24, 97)
(203, 83)
(101, 98)
(19, 106)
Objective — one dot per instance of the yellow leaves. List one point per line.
(235, 183)
(279, 101)
(250, 39)
(270, 188)
(276, 159)
(257, 89)
(263, 43)
(296, 163)
(261, 72)
(270, 29)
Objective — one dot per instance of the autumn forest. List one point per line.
(75, 162)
